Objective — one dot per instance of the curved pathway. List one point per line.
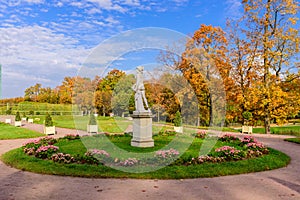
(281, 183)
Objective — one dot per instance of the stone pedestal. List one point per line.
(142, 129)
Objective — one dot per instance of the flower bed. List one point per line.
(234, 149)
(249, 147)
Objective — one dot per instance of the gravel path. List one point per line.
(282, 183)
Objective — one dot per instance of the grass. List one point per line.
(294, 140)
(105, 124)
(282, 130)
(11, 132)
(111, 124)
(18, 159)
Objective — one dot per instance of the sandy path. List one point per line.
(282, 183)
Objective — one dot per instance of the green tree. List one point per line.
(17, 117)
(177, 120)
(121, 95)
(48, 120)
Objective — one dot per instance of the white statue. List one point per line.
(139, 88)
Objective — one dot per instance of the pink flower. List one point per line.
(46, 148)
(32, 141)
(166, 153)
(93, 152)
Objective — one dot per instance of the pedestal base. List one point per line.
(142, 130)
(149, 143)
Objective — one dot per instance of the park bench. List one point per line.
(247, 129)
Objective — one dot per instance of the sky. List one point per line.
(44, 41)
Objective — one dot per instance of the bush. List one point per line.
(229, 138)
(48, 120)
(8, 112)
(71, 137)
(45, 152)
(31, 112)
(167, 133)
(229, 153)
(18, 117)
(177, 120)
(92, 120)
(63, 158)
(200, 134)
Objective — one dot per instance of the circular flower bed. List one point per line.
(241, 149)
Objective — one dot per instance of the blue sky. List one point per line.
(44, 41)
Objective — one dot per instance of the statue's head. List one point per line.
(140, 68)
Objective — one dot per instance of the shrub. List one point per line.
(71, 137)
(92, 120)
(31, 112)
(249, 139)
(167, 133)
(177, 120)
(200, 134)
(46, 151)
(203, 159)
(48, 120)
(18, 117)
(32, 145)
(229, 153)
(63, 158)
(129, 162)
(29, 150)
(228, 138)
(8, 112)
(97, 156)
(164, 154)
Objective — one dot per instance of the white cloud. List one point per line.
(233, 8)
(59, 4)
(34, 53)
(132, 2)
(94, 11)
(107, 4)
(34, 1)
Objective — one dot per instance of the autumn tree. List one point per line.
(244, 72)
(83, 94)
(65, 90)
(32, 92)
(104, 91)
(204, 65)
(270, 27)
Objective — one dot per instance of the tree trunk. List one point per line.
(266, 65)
(267, 124)
(210, 106)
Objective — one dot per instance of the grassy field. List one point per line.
(18, 159)
(295, 140)
(37, 108)
(282, 130)
(12, 132)
(105, 124)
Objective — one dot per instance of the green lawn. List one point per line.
(105, 124)
(282, 130)
(295, 140)
(18, 159)
(11, 132)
